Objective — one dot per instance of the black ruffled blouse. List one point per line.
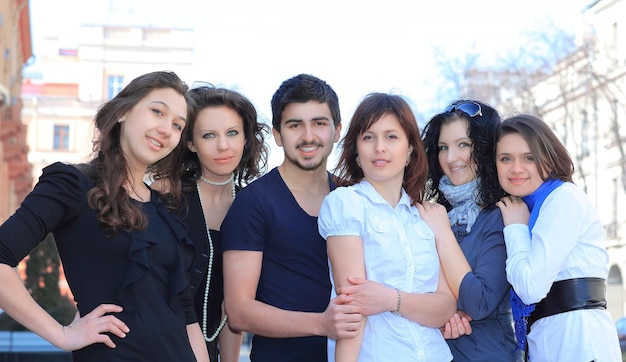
(143, 271)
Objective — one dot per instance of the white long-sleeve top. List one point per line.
(567, 242)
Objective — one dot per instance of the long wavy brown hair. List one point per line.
(115, 209)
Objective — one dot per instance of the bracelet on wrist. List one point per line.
(397, 311)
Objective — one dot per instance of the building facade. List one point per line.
(15, 43)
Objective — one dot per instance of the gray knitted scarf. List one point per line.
(464, 201)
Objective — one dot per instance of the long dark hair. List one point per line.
(373, 107)
(108, 196)
(482, 130)
(255, 152)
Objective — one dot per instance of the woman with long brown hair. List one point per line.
(124, 254)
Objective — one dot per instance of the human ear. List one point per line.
(191, 147)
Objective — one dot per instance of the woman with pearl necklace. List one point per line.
(225, 151)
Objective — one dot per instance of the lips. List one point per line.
(155, 142)
(517, 181)
(457, 168)
(308, 148)
(223, 159)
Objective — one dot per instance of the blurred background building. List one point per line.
(61, 99)
(15, 44)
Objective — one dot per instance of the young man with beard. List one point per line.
(276, 279)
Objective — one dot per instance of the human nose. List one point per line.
(380, 145)
(222, 143)
(516, 166)
(451, 154)
(165, 127)
(308, 135)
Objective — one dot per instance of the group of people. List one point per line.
(467, 241)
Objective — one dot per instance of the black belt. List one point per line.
(571, 294)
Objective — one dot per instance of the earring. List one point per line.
(119, 120)
(408, 158)
(358, 162)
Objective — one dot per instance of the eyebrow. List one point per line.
(168, 107)
(213, 130)
(161, 102)
(392, 130)
(319, 118)
(510, 154)
(460, 139)
(293, 120)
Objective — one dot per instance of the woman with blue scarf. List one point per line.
(557, 260)
(460, 143)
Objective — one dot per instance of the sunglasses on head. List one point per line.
(200, 84)
(472, 109)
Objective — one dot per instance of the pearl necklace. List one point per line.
(214, 183)
(210, 266)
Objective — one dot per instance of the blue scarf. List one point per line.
(520, 310)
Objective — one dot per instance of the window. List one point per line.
(61, 138)
(114, 85)
(112, 33)
(155, 35)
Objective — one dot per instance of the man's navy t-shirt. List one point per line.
(266, 217)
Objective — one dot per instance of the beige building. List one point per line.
(61, 100)
(16, 50)
(584, 102)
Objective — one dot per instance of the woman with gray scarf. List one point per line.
(460, 144)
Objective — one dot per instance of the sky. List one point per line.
(357, 46)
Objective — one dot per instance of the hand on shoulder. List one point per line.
(514, 210)
(435, 215)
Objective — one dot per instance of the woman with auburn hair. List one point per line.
(374, 228)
